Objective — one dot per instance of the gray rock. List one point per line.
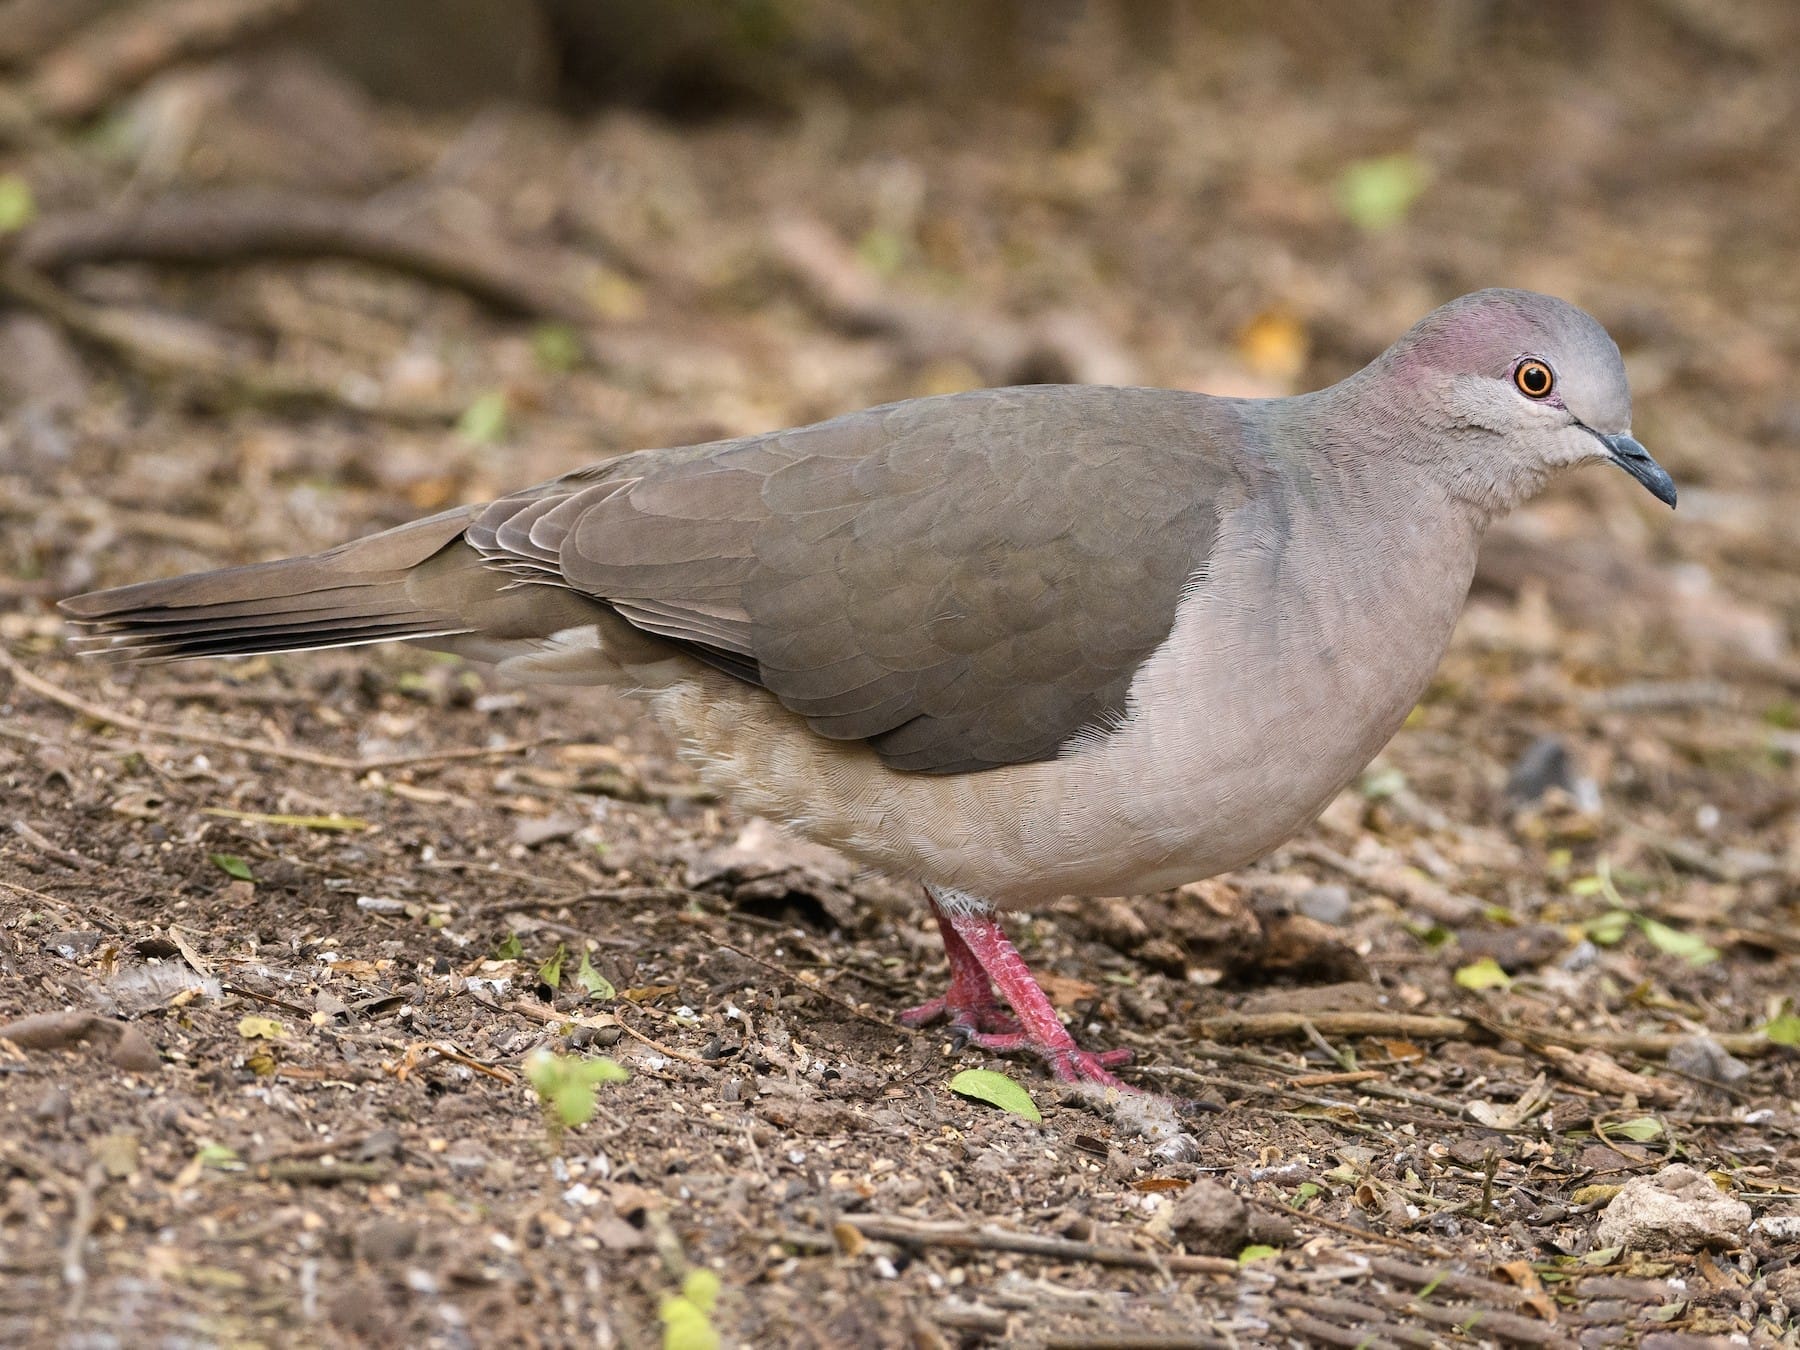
(1678, 1209)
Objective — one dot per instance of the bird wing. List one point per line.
(963, 582)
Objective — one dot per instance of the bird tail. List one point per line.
(402, 584)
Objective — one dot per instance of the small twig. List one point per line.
(1351, 1230)
(292, 754)
(160, 352)
(1405, 884)
(1745, 1044)
(842, 291)
(81, 1227)
(129, 45)
(230, 224)
(415, 1059)
(621, 895)
(788, 977)
(66, 856)
(95, 509)
(988, 1238)
(1352, 1022)
(196, 962)
(299, 1172)
(1361, 1022)
(603, 1020)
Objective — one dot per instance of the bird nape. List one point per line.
(1014, 644)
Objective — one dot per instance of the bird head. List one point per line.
(1525, 385)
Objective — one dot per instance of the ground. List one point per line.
(306, 919)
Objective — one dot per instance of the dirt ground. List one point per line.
(302, 916)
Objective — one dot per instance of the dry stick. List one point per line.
(231, 223)
(987, 1238)
(159, 352)
(788, 977)
(81, 1227)
(1352, 1230)
(1370, 1323)
(1358, 1022)
(123, 49)
(29, 28)
(292, 754)
(603, 1020)
(209, 537)
(1265, 1026)
(66, 856)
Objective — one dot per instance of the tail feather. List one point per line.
(376, 589)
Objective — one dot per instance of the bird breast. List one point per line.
(1291, 663)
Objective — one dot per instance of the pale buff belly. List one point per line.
(1240, 732)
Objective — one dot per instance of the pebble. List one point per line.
(1677, 1209)
(1703, 1057)
(1326, 904)
(1210, 1220)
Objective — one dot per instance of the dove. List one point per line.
(1012, 644)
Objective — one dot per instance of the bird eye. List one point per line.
(1534, 378)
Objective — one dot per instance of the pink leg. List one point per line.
(978, 948)
(969, 1002)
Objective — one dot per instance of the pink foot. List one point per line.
(969, 1003)
(981, 959)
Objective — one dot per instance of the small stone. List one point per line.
(466, 1159)
(1325, 904)
(53, 1106)
(1678, 1209)
(1703, 1057)
(384, 1240)
(1210, 1220)
(1544, 765)
(1513, 949)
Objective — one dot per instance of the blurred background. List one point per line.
(277, 272)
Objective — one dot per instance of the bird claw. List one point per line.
(969, 1020)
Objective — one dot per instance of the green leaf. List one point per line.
(1784, 1030)
(557, 347)
(219, 1157)
(1376, 194)
(565, 1083)
(1381, 781)
(882, 251)
(686, 1326)
(1688, 946)
(510, 948)
(231, 865)
(484, 421)
(1601, 1256)
(1609, 928)
(1257, 1251)
(596, 984)
(550, 972)
(1304, 1192)
(996, 1089)
(17, 205)
(1640, 1129)
(1483, 974)
(701, 1288)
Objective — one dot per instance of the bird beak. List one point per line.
(1636, 461)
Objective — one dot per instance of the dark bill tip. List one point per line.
(1636, 461)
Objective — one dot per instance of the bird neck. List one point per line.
(1386, 431)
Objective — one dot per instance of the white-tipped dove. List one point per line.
(1014, 644)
